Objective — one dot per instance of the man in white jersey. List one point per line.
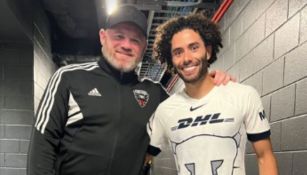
(206, 125)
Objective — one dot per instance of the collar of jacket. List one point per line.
(123, 77)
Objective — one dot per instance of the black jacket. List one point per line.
(92, 121)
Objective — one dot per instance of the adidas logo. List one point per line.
(94, 92)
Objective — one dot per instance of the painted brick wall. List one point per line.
(24, 73)
(44, 67)
(16, 106)
(266, 46)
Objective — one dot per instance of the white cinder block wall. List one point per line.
(265, 46)
(16, 106)
(44, 67)
(24, 73)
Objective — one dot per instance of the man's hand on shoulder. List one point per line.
(221, 77)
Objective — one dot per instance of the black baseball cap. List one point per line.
(128, 13)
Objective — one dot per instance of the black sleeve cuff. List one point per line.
(258, 136)
(153, 150)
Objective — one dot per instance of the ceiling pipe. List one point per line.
(221, 10)
(216, 18)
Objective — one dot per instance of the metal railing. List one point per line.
(152, 71)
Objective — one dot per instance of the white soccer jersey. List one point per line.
(208, 135)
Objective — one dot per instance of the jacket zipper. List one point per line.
(118, 121)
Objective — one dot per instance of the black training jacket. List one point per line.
(92, 121)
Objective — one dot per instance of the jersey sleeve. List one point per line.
(48, 129)
(256, 123)
(156, 133)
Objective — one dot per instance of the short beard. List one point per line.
(201, 74)
(113, 63)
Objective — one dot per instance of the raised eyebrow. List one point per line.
(135, 39)
(194, 44)
(176, 49)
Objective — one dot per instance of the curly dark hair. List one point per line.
(207, 29)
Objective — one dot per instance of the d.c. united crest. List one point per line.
(141, 97)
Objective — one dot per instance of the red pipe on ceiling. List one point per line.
(221, 10)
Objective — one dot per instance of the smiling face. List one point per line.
(123, 46)
(189, 55)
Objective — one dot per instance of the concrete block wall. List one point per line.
(44, 67)
(24, 72)
(16, 106)
(265, 46)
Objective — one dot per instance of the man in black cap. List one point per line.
(92, 117)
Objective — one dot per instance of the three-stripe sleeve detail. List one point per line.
(47, 101)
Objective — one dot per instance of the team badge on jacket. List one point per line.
(141, 97)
